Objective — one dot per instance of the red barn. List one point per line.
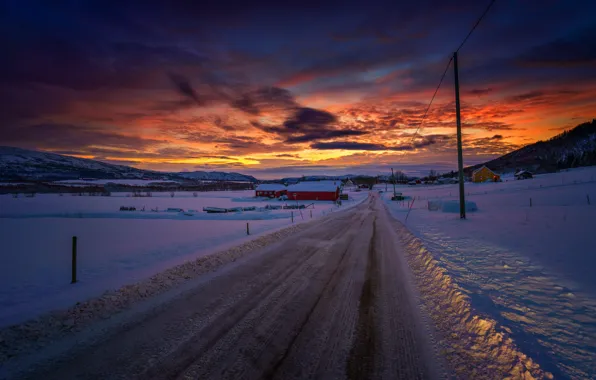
(271, 190)
(314, 191)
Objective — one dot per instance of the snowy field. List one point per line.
(119, 247)
(528, 268)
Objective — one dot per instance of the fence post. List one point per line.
(310, 214)
(247, 230)
(588, 197)
(74, 260)
(292, 212)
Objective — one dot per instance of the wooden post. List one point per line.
(311, 214)
(292, 212)
(588, 197)
(247, 230)
(74, 260)
(460, 159)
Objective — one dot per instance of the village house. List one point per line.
(314, 191)
(484, 174)
(271, 190)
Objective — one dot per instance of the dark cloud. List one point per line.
(420, 142)
(309, 124)
(574, 50)
(265, 99)
(497, 137)
(68, 136)
(309, 118)
(185, 88)
(348, 145)
(323, 135)
(219, 157)
(288, 155)
(253, 102)
(526, 96)
(480, 91)
(491, 126)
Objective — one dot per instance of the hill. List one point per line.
(17, 164)
(570, 149)
(217, 176)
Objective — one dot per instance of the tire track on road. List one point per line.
(361, 362)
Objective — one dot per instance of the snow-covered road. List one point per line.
(331, 301)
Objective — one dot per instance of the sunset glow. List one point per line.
(274, 90)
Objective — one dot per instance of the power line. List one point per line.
(433, 98)
(449, 63)
(475, 25)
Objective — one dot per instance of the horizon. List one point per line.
(196, 87)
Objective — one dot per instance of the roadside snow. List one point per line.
(529, 270)
(117, 248)
(30, 336)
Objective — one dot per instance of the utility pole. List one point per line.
(393, 180)
(460, 156)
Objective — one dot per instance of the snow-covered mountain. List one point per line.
(18, 164)
(217, 176)
(23, 164)
(570, 149)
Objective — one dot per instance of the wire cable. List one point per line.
(449, 64)
(433, 98)
(475, 25)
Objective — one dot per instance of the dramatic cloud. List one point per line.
(183, 86)
(307, 125)
(68, 136)
(418, 142)
(265, 99)
(574, 50)
(173, 86)
(480, 91)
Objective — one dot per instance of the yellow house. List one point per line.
(483, 174)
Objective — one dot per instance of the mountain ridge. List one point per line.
(18, 164)
(572, 148)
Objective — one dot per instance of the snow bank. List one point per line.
(35, 334)
(117, 247)
(523, 262)
(449, 206)
(474, 345)
(453, 206)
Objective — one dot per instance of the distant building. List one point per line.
(314, 191)
(484, 174)
(271, 190)
(523, 174)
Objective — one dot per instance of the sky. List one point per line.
(291, 88)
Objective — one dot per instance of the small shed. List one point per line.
(484, 174)
(523, 174)
(271, 190)
(314, 191)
